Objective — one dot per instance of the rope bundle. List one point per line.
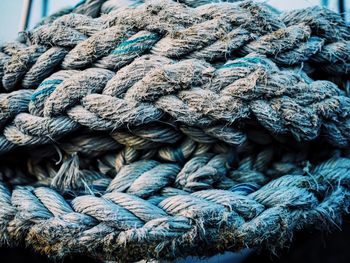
(166, 129)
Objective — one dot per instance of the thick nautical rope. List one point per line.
(188, 29)
(207, 102)
(97, 159)
(21, 58)
(127, 227)
(163, 130)
(209, 32)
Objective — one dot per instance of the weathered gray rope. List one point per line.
(33, 63)
(87, 7)
(289, 48)
(167, 129)
(203, 168)
(137, 229)
(281, 101)
(44, 163)
(79, 113)
(251, 165)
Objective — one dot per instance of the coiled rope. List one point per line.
(165, 129)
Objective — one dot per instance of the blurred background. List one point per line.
(12, 10)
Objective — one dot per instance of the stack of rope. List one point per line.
(134, 130)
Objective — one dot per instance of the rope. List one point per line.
(125, 227)
(156, 130)
(189, 92)
(72, 30)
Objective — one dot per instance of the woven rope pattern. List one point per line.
(200, 34)
(126, 226)
(134, 130)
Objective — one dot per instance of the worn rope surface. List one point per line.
(159, 129)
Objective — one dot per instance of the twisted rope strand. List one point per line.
(276, 39)
(162, 129)
(281, 101)
(141, 230)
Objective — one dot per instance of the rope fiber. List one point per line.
(159, 129)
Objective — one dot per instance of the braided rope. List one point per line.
(280, 101)
(222, 32)
(208, 32)
(155, 130)
(179, 221)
